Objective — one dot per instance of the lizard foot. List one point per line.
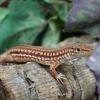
(61, 78)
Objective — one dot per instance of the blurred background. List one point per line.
(47, 22)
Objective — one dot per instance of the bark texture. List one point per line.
(33, 82)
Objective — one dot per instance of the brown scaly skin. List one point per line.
(47, 56)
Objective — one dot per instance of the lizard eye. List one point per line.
(78, 49)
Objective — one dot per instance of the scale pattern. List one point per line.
(47, 56)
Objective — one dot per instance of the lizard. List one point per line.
(53, 57)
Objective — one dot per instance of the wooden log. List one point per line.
(33, 82)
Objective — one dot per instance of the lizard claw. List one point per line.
(61, 78)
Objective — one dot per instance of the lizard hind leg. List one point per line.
(5, 57)
(58, 76)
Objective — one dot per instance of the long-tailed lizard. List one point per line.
(47, 56)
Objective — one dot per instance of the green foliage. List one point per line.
(3, 13)
(22, 21)
(22, 24)
(52, 35)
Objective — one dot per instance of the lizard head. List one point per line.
(84, 49)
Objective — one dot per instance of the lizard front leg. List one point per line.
(58, 76)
